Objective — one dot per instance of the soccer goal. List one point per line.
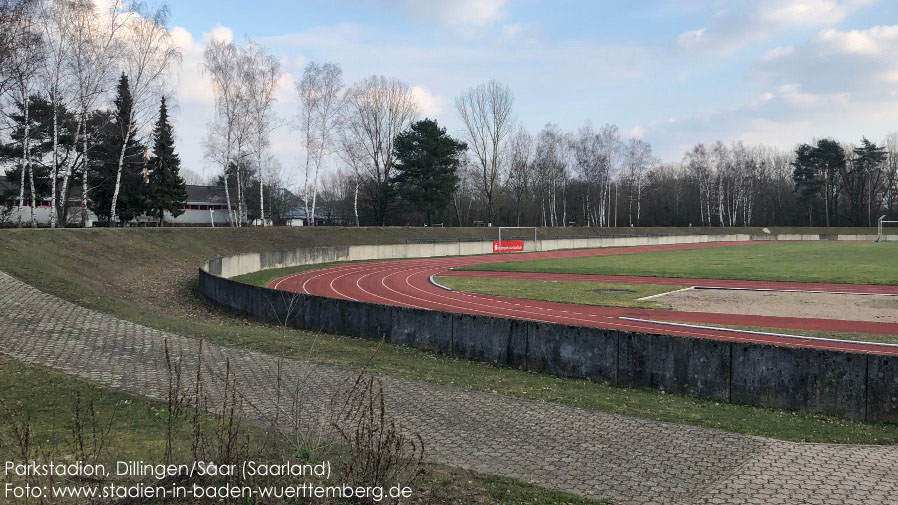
(880, 237)
(505, 245)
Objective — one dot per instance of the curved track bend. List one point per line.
(407, 283)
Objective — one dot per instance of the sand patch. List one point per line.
(786, 304)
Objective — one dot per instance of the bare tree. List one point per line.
(551, 160)
(353, 155)
(638, 161)
(148, 52)
(520, 167)
(221, 61)
(21, 64)
(13, 13)
(54, 18)
(486, 112)
(376, 109)
(94, 45)
(319, 105)
(262, 72)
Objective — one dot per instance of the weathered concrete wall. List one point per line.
(856, 386)
(800, 379)
(572, 351)
(692, 366)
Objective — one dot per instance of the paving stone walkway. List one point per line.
(630, 461)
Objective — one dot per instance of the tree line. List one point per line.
(82, 88)
(83, 94)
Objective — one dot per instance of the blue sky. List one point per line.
(672, 72)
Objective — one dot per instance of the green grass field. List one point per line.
(837, 262)
(585, 293)
(150, 277)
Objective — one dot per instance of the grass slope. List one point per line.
(149, 276)
(837, 262)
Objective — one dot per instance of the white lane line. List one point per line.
(651, 297)
(734, 330)
(727, 288)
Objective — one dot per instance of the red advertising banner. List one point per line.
(508, 246)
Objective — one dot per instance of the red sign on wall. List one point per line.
(508, 246)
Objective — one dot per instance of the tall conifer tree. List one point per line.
(167, 190)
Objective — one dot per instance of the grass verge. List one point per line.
(835, 262)
(607, 294)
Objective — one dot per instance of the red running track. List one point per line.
(407, 283)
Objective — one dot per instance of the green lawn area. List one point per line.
(837, 262)
(150, 277)
(586, 293)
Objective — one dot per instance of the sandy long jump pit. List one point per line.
(852, 307)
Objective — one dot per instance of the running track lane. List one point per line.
(406, 283)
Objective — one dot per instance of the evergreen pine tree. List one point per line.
(132, 198)
(427, 159)
(167, 190)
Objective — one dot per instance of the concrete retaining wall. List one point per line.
(850, 385)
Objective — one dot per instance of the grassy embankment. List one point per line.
(130, 428)
(149, 276)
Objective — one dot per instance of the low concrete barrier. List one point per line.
(850, 385)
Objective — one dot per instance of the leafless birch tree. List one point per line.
(262, 72)
(94, 46)
(21, 65)
(376, 109)
(222, 63)
(319, 106)
(487, 113)
(520, 168)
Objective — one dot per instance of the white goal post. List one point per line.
(534, 228)
(879, 226)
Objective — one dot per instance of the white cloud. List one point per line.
(512, 30)
(636, 132)
(777, 52)
(219, 33)
(855, 61)
(734, 28)
(806, 12)
(453, 13)
(873, 41)
(691, 38)
(430, 105)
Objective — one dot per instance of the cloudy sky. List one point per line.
(673, 72)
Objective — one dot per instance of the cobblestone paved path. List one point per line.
(630, 461)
